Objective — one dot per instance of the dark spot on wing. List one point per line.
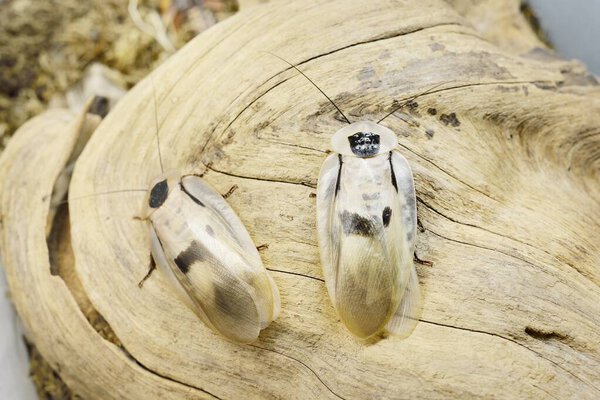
(222, 301)
(186, 258)
(210, 230)
(386, 216)
(354, 224)
(429, 133)
(339, 175)
(158, 194)
(364, 144)
(450, 119)
(431, 111)
(194, 199)
(394, 183)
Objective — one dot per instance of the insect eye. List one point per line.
(158, 194)
(364, 144)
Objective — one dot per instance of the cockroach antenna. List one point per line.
(314, 84)
(411, 99)
(162, 169)
(60, 203)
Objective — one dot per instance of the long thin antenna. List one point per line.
(411, 99)
(162, 169)
(100, 194)
(318, 88)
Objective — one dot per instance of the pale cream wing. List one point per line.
(407, 315)
(202, 193)
(406, 194)
(206, 270)
(228, 228)
(163, 265)
(409, 311)
(328, 238)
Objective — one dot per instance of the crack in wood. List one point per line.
(515, 342)
(135, 360)
(378, 39)
(428, 206)
(302, 363)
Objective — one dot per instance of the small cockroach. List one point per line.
(206, 253)
(366, 217)
(200, 245)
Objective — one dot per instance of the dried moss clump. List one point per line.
(46, 45)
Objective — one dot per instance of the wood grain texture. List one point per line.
(506, 157)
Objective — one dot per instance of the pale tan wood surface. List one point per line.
(506, 160)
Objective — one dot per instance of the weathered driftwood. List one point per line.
(506, 157)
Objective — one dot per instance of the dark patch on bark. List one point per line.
(431, 111)
(412, 106)
(544, 335)
(450, 119)
(545, 86)
(437, 47)
(507, 89)
(429, 133)
(99, 106)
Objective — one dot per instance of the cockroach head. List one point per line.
(159, 190)
(363, 139)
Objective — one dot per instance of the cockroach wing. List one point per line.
(196, 188)
(329, 240)
(407, 315)
(366, 217)
(212, 258)
(162, 263)
(406, 192)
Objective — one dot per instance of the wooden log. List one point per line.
(506, 157)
